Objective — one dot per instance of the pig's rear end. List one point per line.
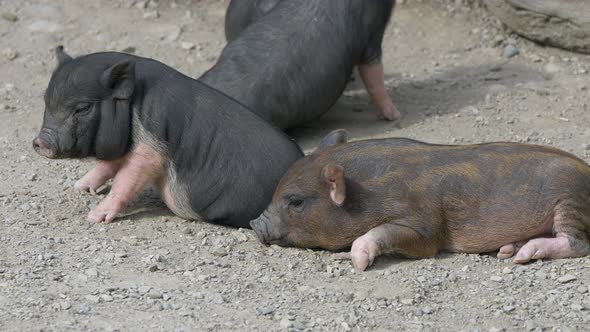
(520, 195)
(293, 63)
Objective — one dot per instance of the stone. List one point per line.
(219, 252)
(508, 308)
(566, 278)
(10, 17)
(44, 26)
(240, 236)
(263, 311)
(552, 68)
(529, 325)
(154, 294)
(151, 15)
(82, 309)
(106, 298)
(298, 325)
(91, 272)
(563, 24)
(218, 299)
(496, 279)
(66, 305)
(285, 323)
(510, 51)
(92, 298)
(34, 222)
(129, 49)
(407, 301)
(187, 46)
(143, 289)
(10, 54)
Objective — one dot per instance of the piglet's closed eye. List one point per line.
(334, 176)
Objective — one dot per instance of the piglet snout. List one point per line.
(42, 148)
(259, 225)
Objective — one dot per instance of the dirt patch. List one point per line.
(448, 75)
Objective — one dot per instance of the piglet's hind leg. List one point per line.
(372, 76)
(142, 166)
(390, 238)
(561, 246)
(571, 220)
(508, 250)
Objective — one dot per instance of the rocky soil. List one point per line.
(455, 73)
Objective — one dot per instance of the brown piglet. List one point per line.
(413, 199)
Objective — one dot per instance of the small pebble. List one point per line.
(10, 17)
(34, 222)
(552, 68)
(566, 278)
(285, 323)
(151, 15)
(92, 272)
(510, 51)
(427, 310)
(10, 54)
(129, 49)
(218, 299)
(263, 311)
(187, 46)
(496, 279)
(83, 309)
(219, 252)
(154, 294)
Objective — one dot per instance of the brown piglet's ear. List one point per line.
(334, 137)
(61, 55)
(334, 177)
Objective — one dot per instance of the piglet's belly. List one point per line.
(166, 195)
(490, 236)
(175, 200)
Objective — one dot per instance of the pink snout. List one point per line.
(42, 148)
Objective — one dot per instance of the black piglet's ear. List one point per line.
(120, 78)
(61, 55)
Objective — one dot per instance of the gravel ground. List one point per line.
(453, 71)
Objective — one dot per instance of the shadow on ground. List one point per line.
(445, 92)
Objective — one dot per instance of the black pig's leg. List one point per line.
(99, 175)
(140, 167)
(390, 238)
(373, 78)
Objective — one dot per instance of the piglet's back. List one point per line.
(471, 193)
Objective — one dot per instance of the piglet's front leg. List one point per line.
(102, 172)
(390, 238)
(140, 167)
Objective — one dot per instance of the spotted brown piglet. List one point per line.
(413, 199)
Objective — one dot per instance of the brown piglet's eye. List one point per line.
(297, 202)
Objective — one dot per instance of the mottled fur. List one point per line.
(421, 198)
